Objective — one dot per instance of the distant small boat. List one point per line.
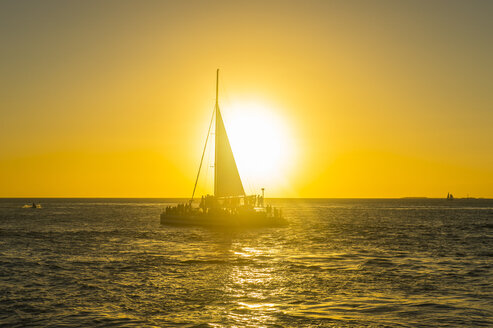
(450, 196)
(229, 206)
(33, 205)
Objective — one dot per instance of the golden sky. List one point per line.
(363, 98)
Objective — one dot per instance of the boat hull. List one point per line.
(250, 220)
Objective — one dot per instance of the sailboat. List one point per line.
(229, 206)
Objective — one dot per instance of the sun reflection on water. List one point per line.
(252, 287)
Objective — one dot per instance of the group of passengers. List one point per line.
(210, 201)
(180, 209)
(226, 206)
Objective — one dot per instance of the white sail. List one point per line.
(227, 181)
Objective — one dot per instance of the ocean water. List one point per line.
(341, 263)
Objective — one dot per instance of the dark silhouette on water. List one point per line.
(32, 205)
(229, 206)
(450, 196)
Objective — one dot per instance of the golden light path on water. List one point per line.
(259, 307)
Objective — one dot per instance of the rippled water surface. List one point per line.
(354, 263)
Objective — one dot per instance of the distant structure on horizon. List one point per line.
(450, 196)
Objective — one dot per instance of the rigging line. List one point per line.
(203, 152)
(207, 169)
(208, 165)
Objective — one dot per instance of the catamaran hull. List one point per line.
(227, 221)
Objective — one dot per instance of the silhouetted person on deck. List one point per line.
(202, 203)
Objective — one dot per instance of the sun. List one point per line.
(261, 143)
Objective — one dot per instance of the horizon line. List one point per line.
(197, 198)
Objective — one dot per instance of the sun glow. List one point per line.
(261, 144)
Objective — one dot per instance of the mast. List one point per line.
(217, 88)
(216, 110)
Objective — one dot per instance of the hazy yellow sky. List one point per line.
(372, 98)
